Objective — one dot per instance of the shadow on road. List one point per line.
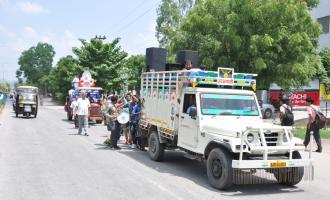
(260, 189)
(176, 164)
(23, 117)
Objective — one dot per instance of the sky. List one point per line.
(61, 23)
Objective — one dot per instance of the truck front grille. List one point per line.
(271, 139)
(95, 111)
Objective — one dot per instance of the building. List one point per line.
(322, 15)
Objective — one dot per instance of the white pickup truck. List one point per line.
(205, 115)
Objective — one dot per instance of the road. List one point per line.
(43, 158)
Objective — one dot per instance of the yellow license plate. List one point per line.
(278, 164)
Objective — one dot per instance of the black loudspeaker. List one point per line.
(155, 59)
(173, 67)
(183, 56)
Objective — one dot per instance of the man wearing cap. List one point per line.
(82, 110)
(311, 125)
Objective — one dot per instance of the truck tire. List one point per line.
(268, 114)
(290, 176)
(99, 121)
(219, 169)
(156, 149)
(69, 116)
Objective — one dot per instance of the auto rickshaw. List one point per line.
(26, 101)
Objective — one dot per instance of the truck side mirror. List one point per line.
(260, 103)
(193, 112)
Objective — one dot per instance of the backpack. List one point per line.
(288, 119)
(320, 120)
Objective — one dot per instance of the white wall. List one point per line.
(321, 11)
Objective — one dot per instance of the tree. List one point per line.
(103, 60)
(5, 86)
(170, 14)
(276, 39)
(61, 76)
(325, 58)
(35, 63)
(133, 69)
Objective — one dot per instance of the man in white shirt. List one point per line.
(82, 110)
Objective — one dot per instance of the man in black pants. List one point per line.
(311, 125)
(114, 125)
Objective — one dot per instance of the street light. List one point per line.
(100, 37)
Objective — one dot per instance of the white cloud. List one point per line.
(31, 8)
(30, 32)
(5, 32)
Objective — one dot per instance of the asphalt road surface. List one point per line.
(43, 158)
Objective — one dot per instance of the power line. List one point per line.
(130, 13)
(134, 20)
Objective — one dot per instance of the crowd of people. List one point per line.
(313, 120)
(112, 106)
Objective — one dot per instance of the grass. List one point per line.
(300, 133)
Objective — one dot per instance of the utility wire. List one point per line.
(134, 20)
(130, 13)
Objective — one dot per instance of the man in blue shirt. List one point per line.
(135, 118)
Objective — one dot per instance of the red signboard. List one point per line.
(297, 98)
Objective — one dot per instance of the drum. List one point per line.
(123, 118)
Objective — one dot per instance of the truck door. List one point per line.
(188, 127)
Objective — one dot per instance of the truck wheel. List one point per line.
(219, 169)
(16, 114)
(268, 114)
(35, 115)
(290, 176)
(156, 149)
(99, 121)
(69, 116)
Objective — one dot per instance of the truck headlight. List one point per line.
(250, 137)
(21, 105)
(285, 139)
(34, 106)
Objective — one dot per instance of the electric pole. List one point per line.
(100, 37)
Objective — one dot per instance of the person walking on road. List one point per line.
(286, 115)
(311, 125)
(74, 104)
(113, 124)
(82, 110)
(135, 119)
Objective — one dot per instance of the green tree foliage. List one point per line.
(325, 57)
(103, 60)
(4, 86)
(170, 14)
(133, 69)
(276, 39)
(61, 76)
(35, 64)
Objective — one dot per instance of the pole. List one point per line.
(326, 108)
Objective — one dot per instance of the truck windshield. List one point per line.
(229, 104)
(28, 97)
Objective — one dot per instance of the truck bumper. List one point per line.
(264, 164)
(96, 118)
